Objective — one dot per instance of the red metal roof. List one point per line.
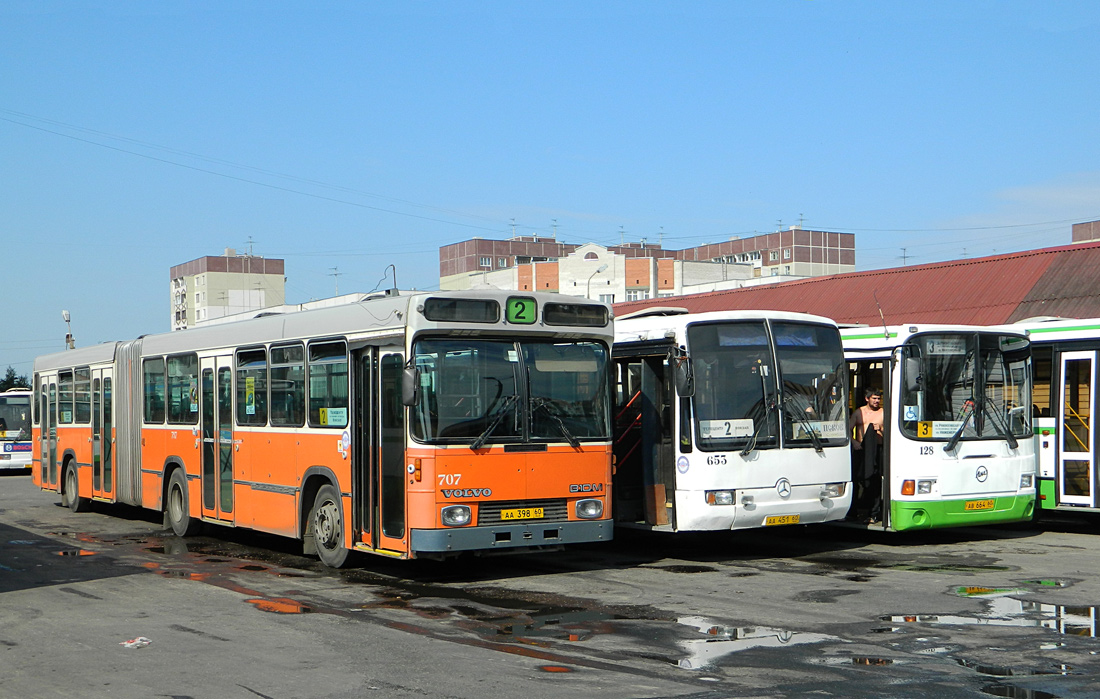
(1063, 281)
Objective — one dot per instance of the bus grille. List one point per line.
(553, 511)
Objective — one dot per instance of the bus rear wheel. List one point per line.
(326, 523)
(176, 510)
(70, 496)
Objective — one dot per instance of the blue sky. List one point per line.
(138, 135)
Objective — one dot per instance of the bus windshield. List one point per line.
(494, 391)
(735, 402)
(966, 386)
(813, 371)
(15, 417)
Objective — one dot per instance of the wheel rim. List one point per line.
(70, 486)
(175, 504)
(326, 524)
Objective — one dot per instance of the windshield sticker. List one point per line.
(717, 429)
(910, 413)
(947, 345)
(938, 428)
(830, 429)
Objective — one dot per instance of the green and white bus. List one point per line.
(957, 447)
(1066, 364)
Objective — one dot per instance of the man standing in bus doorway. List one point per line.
(867, 456)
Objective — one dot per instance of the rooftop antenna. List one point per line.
(661, 236)
(513, 228)
(801, 219)
(554, 227)
(885, 330)
(336, 277)
(250, 241)
(622, 236)
(779, 225)
(904, 257)
(70, 343)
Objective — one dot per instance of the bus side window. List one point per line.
(328, 384)
(65, 397)
(288, 387)
(154, 390)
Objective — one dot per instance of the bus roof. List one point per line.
(632, 327)
(372, 318)
(885, 338)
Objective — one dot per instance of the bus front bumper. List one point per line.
(954, 513)
(507, 536)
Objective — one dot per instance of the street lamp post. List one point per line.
(588, 293)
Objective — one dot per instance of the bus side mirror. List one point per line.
(409, 379)
(912, 373)
(683, 375)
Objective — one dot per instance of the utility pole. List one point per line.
(335, 275)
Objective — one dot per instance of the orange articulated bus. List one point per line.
(407, 425)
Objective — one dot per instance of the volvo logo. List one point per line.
(981, 474)
(783, 487)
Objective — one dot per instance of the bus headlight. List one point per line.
(1027, 480)
(833, 490)
(720, 497)
(455, 515)
(924, 487)
(589, 509)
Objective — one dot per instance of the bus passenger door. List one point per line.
(388, 483)
(363, 451)
(1076, 454)
(102, 435)
(48, 435)
(217, 438)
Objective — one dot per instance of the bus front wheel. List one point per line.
(326, 522)
(70, 497)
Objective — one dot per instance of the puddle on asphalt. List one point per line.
(856, 660)
(1049, 583)
(977, 591)
(555, 668)
(1007, 611)
(75, 552)
(1014, 692)
(999, 671)
(946, 568)
(280, 605)
(683, 568)
(183, 575)
(567, 626)
(719, 641)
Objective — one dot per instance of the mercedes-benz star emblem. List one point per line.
(981, 474)
(783, 487)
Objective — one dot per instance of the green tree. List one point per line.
(13, 380)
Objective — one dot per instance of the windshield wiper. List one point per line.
(1001, 428)
(497, 417)
(544, 403)
(801, 418)
(769, 406)
(951, 443)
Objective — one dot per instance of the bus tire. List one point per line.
(70, 496)
(176, 509)
(326, 523)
